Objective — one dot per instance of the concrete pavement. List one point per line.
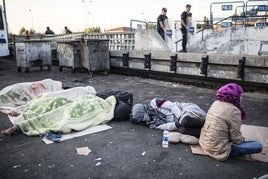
(121, 147)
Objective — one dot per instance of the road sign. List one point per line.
(262, 8)
(228, 7)
(261, 24)
(226, 24)
(139, 26)
(238, 18)
(252, 13)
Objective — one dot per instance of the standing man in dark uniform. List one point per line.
(161, 22)
(49, 31)
(184, 26)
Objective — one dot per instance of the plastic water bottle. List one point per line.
(165, 139)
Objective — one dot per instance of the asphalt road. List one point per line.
(126, 150)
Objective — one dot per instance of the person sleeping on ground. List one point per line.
(67, 93)
(19, 94)
(60, 114)
(66, 110)
(186, 118)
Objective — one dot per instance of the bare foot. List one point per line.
(9, 131)
(13, 113)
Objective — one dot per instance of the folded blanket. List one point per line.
(43, 115)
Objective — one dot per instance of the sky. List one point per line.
(107, 14)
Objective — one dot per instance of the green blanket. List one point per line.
(60, 114)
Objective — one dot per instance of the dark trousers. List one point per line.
(162, 34)
(190, 131)
(190, 126)
(184, 39)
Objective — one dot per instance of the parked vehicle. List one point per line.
(3, 34)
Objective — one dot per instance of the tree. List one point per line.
(203, 25)
(93, 30)
(152, 25)
(206, 23)
(32, 31)
(22, 31)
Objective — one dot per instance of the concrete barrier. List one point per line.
(200, 68)
(249, 70)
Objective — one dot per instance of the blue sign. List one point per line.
(169, 33)
(139, 26)
(226, 24)
(261, 24)
(228, 7)
(238, 19)
(191, 29)
(3, 41)
(262, 8)
(252, 13)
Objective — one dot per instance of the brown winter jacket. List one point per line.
(221, 130)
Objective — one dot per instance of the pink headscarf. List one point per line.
(232, 93)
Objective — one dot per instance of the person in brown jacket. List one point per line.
(221, 136)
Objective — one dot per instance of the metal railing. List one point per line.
(235, 18)
(229, 2)
(134, 20)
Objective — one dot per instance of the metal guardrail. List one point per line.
(234, 18)
(254, 1)
(133, 20)
(229, 2)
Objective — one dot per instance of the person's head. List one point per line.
(230, 90)
(48, 28)
(231, 93)
(139, 114)
(188, 7)
(164, 11)
(65, 27)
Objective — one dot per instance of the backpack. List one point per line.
(124, 96)
(123, 105)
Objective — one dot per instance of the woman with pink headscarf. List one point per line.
(221, 136)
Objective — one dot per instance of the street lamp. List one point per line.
(5, 13)
(31, 17)
(86, 13)
(89, 15)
